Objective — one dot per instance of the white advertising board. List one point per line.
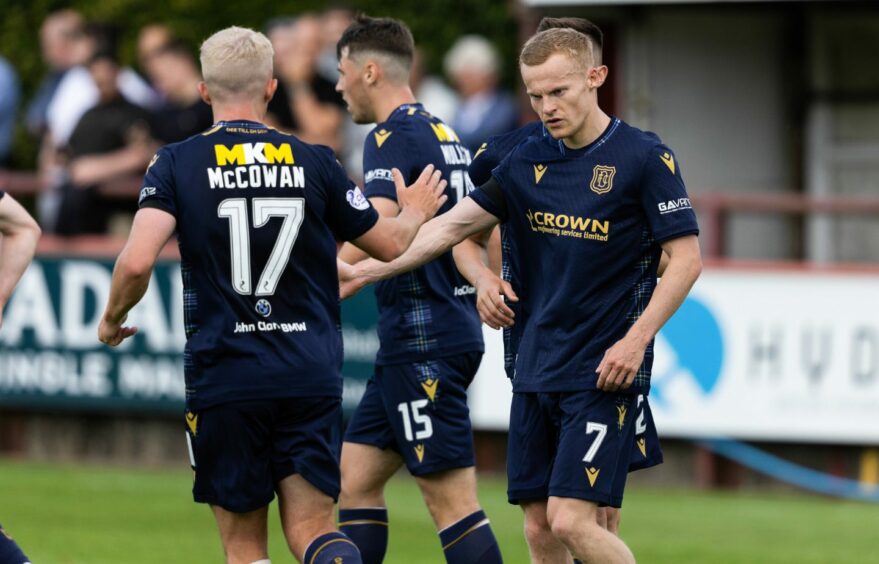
(788, 356)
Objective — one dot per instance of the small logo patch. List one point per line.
(642, 446)
(669, 161)
(481, 150)
(192, 422)
(152, 162)
(357, 200)
(539, 170)
(592, 475)
(382, 136)
(146, 192)
(379, 174)
(419, 452)
(430, 386)
(263, 307)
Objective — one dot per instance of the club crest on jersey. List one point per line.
(539, 169)
(263, 307)
(602, 179)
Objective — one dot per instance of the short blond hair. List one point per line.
(547, 43)
(236, 62)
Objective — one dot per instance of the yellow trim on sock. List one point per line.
(363, 522)
(326, 544)
(467, 532)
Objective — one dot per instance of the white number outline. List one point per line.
(417, 418)
(235, 210)
(601, 429)
(461, 183)
(640, 426)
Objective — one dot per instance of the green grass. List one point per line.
(89, 514)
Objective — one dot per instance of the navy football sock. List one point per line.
(368, 529)
(10, 553)
(332, 548)
(470, 541)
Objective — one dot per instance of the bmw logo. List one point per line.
(264, 308)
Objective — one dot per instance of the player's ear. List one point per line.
(271, 87)
(371, 73)
(596, 76)
(203, 92)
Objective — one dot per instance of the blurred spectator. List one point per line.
(59, 35)
(432, 91)
(151, 40)
(111, 140)
(316, 110)
(473, 66)
(334, 23)
(77, 91)
(175, 75)
(9, 94)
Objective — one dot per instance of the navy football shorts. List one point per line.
(647, 451)
(570, 444)
(241, 450)
(419, 410)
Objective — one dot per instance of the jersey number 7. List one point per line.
(235, 210)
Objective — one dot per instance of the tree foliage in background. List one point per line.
(435, 23)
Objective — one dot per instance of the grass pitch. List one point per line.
(94, 515)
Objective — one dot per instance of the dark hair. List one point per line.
(382, 35)
(177, 48)
(582, 25)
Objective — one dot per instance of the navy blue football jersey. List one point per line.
(492, 152)
(431, 311)
(258, 216)
(487, 157)
(586, 225)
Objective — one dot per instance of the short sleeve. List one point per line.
(383, 150)
(348, 212)
(484, 160)
(490, 195)
(664, 197)
(159, 187)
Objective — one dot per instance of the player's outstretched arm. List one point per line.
(20, 234)
(622, 361)
(434, 238)
(391, 236)
(473, 257)
(149, 233)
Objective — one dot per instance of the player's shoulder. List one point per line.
(505, 142)
(400, 130)
(638, 140)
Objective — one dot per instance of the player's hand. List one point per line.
(425, 196)
(114, 333)
(620, 364)
(490, 292)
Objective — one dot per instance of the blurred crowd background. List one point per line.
(79, 125)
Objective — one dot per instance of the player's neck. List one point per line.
(592, 129)
(391, 99)
(239, 111)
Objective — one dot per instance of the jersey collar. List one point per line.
(583, 151)
(241, 123)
